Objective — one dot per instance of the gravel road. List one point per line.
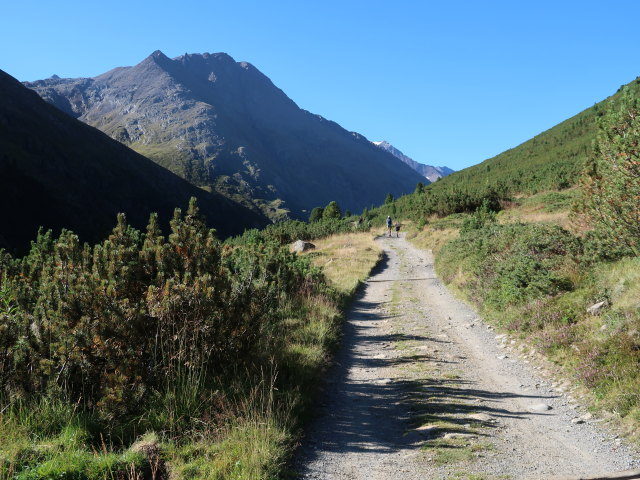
(422, 388)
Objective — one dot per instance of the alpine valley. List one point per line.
(224, 126)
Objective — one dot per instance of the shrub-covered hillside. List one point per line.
(550, 160)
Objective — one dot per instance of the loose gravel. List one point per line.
(422, 388)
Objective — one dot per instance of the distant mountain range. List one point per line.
(427, 171)
(223, 125)
(58, 173)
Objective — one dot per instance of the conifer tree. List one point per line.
(611, 184)
(332, 211)
(316, 215)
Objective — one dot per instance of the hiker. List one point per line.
(389, 223)
(397, 228)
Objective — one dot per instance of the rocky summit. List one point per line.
(223, 125)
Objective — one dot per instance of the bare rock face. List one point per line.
(223, 125)
(300, 246)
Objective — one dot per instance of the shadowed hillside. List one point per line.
(58, 173)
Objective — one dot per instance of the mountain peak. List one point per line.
(225, 126)
(157, 58)
(158, 54)
(383, 144)
(429, 172)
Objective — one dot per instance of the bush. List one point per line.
(512, 264)
(611, 182)
(106, 327)
(332, 211)
(483, 216)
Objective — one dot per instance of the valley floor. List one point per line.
(422, 388)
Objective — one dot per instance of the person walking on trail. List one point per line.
(397, 225)
(389, 224)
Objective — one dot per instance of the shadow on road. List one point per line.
(375, 415)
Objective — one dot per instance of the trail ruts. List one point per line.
(422, 388)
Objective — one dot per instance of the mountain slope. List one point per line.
(224, 125)
(551, 160)
(60, 173)
(429, 172)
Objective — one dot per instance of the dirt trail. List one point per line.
(422, 388)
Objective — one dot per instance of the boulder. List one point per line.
(596, 308)
(302, 246)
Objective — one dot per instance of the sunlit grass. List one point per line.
(254, 446)
(547, 207)
(346, 259)
(432, 239)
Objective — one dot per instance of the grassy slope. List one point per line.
(551, 160)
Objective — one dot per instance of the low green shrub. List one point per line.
(100, 344)
(512, 264)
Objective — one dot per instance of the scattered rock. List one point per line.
(383, 381)
(539, 407)
(577, 420)
(149, 448)
(596, 308)
(302, 246)
(502, 357)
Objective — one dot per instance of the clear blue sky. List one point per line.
(448, 83)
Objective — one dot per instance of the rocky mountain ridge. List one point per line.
(431, 173)
(223, 125)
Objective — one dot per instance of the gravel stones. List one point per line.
(539, 407)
